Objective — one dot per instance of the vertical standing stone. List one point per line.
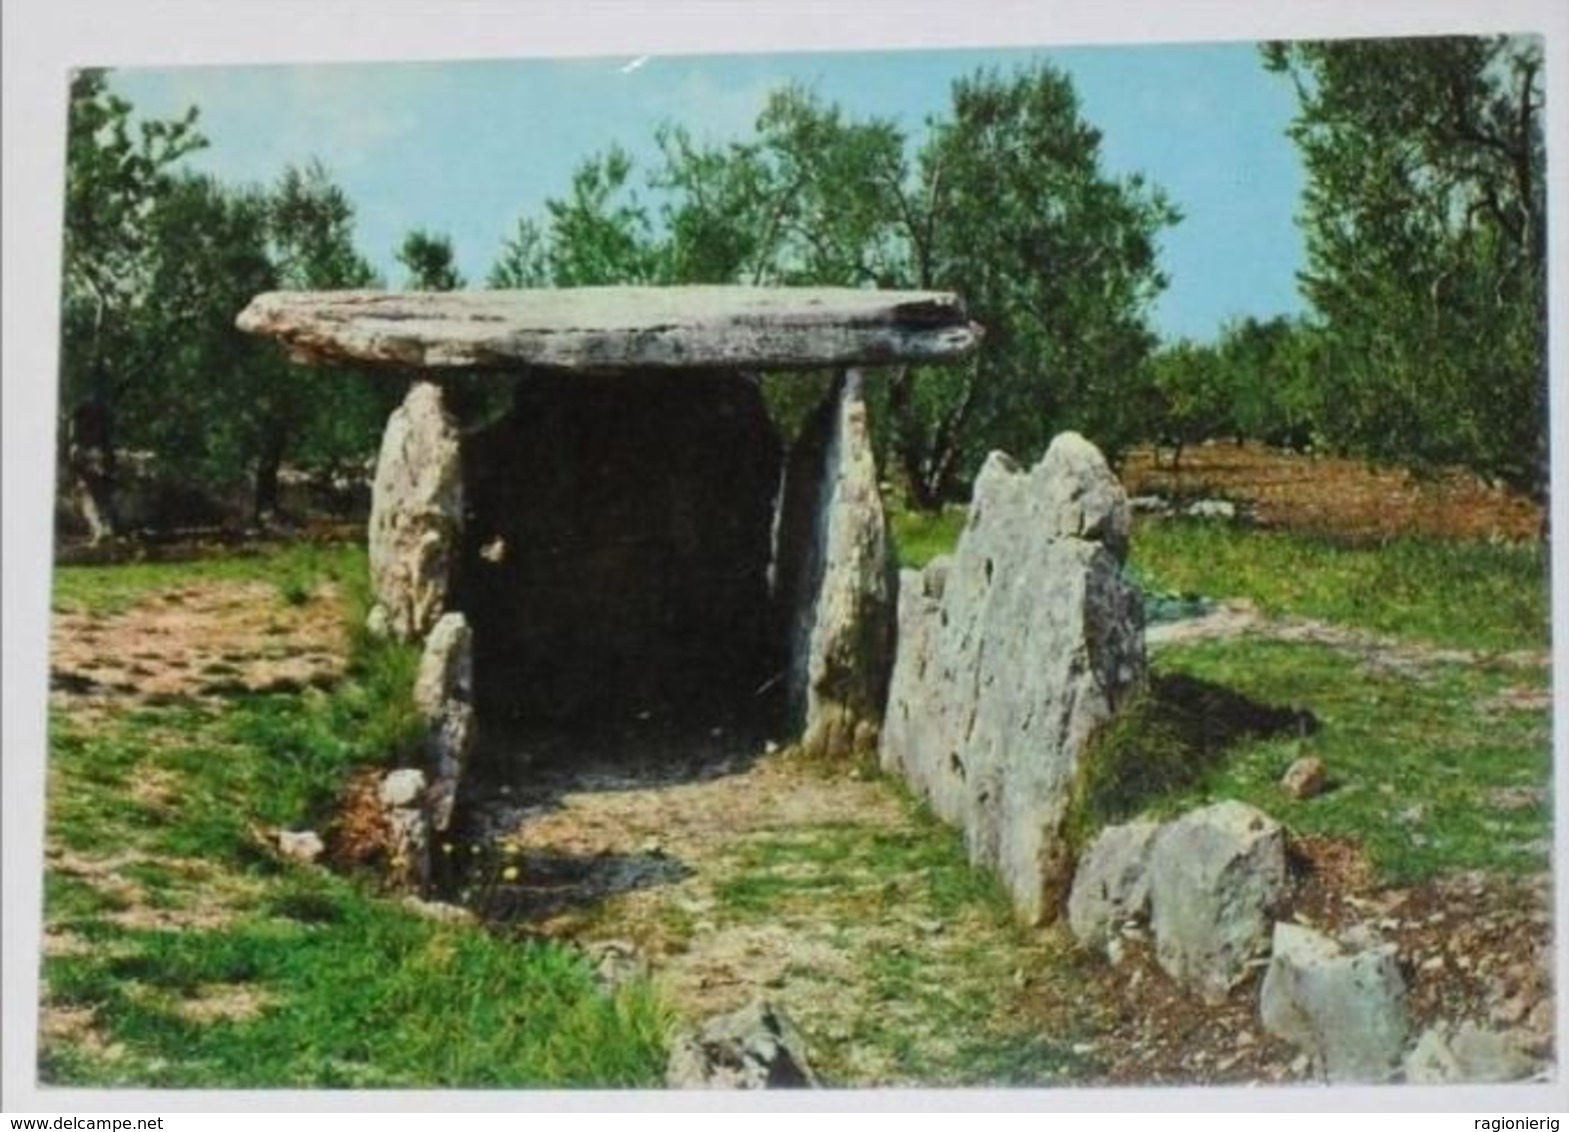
(835, 579)
(1012, 653)
(416, 515)
(444, 694)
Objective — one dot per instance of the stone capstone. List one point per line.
(1344, 1007)
(615, 563)
(1011, 655)
(757, 1047)
(444, 695)
(836, 579)
(1447, 1054)
(416, 515)
(596, 329)
(1215, 875)
(1111, 884)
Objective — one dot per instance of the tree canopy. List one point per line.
(1425, 227)
(1003, 200)
(157, 264)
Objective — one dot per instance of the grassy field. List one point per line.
(181, 951)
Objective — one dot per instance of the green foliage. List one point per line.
(1425, 219)
(158, 263)
(430, 262)
(920, 536)
(1003, 200)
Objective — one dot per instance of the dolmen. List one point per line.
(632, 535)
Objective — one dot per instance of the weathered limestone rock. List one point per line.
(836, 579)
(1344, 1007)
(305, 846)
(407, 821)
(617, 328)
(1010, 656)
(402, 787)
(1215, 875)
(757, 1047)
(1305, 778)
(1468, 1054)
(615, 565)
(1111, 884)
(416, 515)
(444, 695)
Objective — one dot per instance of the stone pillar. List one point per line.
(416, 515)
(835, 578)
(444, 695)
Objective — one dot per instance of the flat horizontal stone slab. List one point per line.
(616, 328)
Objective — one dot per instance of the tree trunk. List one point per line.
(91, 466)
(268, 464)
(908, 444)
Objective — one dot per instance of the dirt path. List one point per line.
(1241, 618)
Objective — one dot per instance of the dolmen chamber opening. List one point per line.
(632, 536)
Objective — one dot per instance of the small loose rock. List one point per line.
(1306, 778)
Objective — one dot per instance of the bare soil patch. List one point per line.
(1350, 499)
(198, 642)
(1384, 654)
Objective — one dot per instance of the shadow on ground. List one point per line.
(523, 775)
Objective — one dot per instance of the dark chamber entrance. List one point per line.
(616, 551)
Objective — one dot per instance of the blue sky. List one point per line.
(464, 148)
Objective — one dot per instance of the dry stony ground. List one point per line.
(733, 871)
(1334, 495)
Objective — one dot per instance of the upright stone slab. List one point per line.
(416, 515)
(835, 579)
(1010, 656)
(444, 695)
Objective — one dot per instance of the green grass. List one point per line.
(153, 816)
(1459, 594)
(343, 990)
(937, 1009)
(296, 570)
(919, 537)
(1415, 762)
